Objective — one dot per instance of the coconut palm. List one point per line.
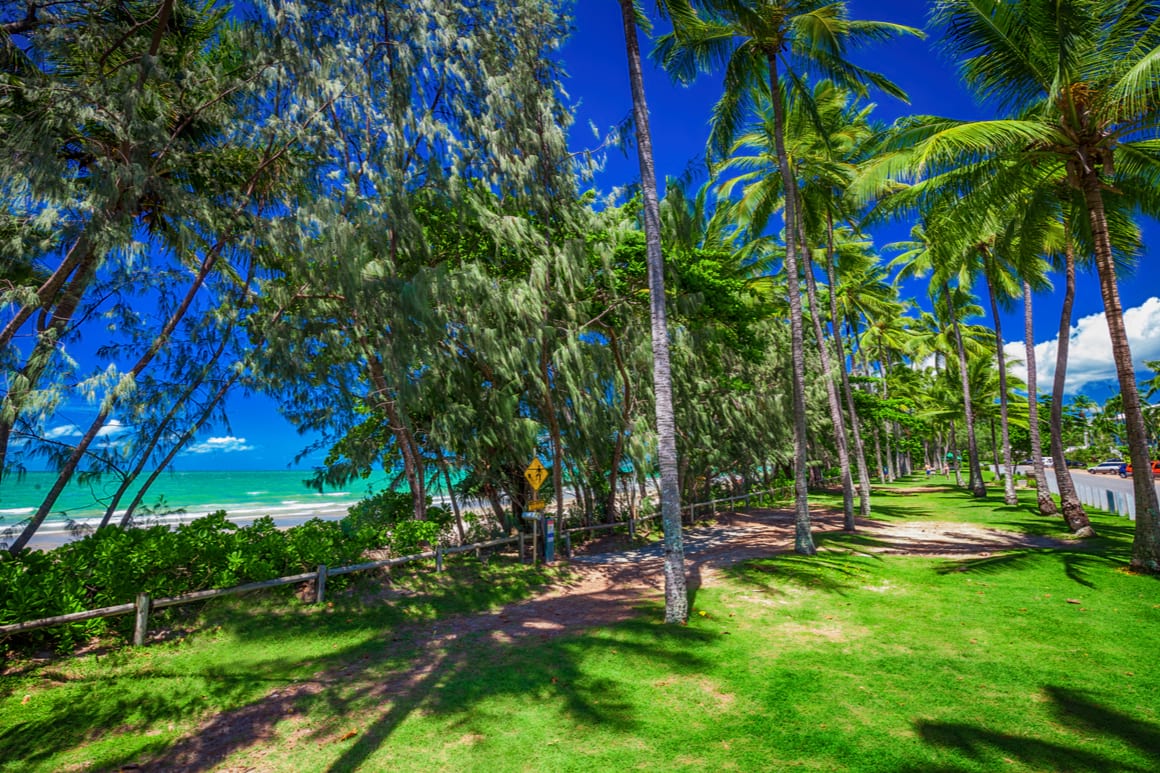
(676, 600)
(1088, 103)
(767, 46)
(817, 131)
(925, 253)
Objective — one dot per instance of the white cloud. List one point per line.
(1089, 357)
(63, 431)
(224, 445)
(113, 427)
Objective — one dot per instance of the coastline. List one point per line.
(53, 534)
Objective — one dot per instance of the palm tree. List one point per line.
(924, 254)
(753, 166)
(676, 599)
(1086, 101)
(757, 40)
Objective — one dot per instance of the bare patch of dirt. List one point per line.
(945, 540)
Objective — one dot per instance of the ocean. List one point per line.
(182, 496)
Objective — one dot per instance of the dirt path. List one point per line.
(607, 584)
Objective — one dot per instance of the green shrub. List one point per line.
(112, 565)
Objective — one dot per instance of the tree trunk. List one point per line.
(955, 458)
(81, 449)
(840, 351)
(186, 436)
(1073, 512)
(454, 504)
(978, 488)
(1009, 496)
(1042, 493)
(412, 459)
(839, 421)
(1146, 543)
(553, 423)
(887, 426)
(803, 539)
(676, 598)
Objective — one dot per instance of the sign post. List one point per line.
(535, 474)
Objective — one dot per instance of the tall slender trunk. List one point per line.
(1009, 496)
(51, 328)
(887, 426)
(404, 438)
(803, 539)
(676, 596)
(553, 424)
(81, 449)
(1073, 512)
(955, 457)
(454, 503)
(832, 395)
(625, 422)
(1146, 542)
(978, 488)
(1042, 493)
(839, 349)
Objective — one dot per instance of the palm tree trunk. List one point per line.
(1146, 542)
(1073, 512)
(803, 539)
(955, 457)
(832, 394)
(1042, 493)
(676, 598)
(840, 351)
(888, 425)
(978, 488)
(1009, 496)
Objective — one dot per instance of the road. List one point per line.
(1085, 478)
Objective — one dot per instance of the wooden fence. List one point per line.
(144, 604)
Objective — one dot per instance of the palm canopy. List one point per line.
(1081, 79)
(810, 37)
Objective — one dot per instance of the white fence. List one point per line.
(1118, 502)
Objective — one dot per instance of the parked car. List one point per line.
(1127, 470)
(1108, 467)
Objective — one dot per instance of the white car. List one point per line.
(1106, 468)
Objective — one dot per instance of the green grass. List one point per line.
(847, 661)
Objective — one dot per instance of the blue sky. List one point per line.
(258, 438)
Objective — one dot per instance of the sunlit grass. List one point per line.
(1025, 660)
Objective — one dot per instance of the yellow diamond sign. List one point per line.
(536, 474)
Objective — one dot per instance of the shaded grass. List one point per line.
(845, 661)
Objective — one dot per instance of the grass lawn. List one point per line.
(852, 660)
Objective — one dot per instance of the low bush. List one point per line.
(112, 565)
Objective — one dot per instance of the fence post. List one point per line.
(320, 586)
(631, 527)
(142, 622)
(1111, 502)
(568, 542)
(438, 558)
(521, 546)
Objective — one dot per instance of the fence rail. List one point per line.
(144, 604)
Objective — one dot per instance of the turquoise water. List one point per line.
(240, 493)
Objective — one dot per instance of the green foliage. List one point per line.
(112, 565)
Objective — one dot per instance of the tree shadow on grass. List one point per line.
(381, 670)
(832, 573)
(1080, 713)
